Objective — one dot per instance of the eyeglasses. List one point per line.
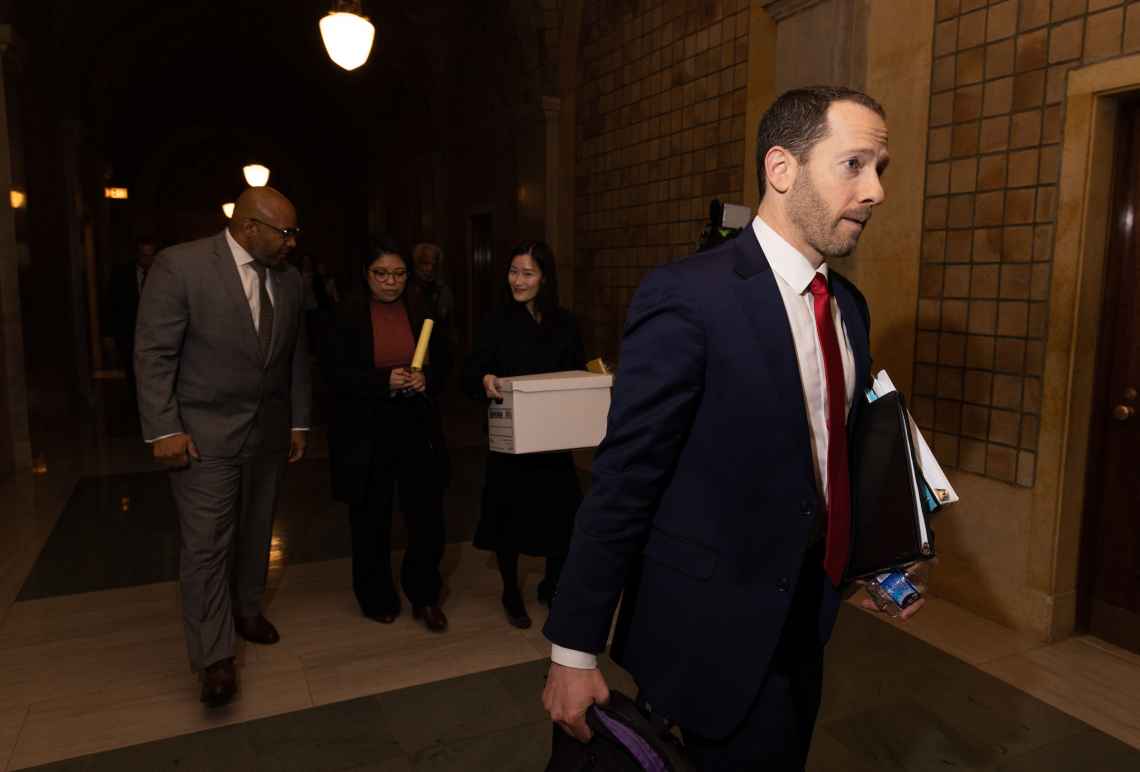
(382, 275)
(285, 233)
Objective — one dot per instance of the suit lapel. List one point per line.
(857, 335)
(281, 306)
(763, 305)
(228, 275)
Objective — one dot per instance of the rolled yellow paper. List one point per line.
(422, 346)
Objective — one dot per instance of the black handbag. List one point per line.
(626, 739)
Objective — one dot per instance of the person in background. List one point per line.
(385, 438)
(529, 501)
(427, 287)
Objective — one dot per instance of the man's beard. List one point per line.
(809, 213)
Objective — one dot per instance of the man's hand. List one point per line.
(298, 440)
(569, 693)
(417, 381)
(176, 450)
(919, 576)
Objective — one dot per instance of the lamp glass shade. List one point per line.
(228, 209)
(348, 38)
(17, 198)
(256, 175)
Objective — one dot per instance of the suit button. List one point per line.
(783, 584)
(806, 509)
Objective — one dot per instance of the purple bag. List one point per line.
(625, 740)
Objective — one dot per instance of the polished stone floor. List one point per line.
(891, 703)
(93, 673)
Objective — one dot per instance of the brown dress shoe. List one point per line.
(433, 617)
(257, 629)
(219, 683)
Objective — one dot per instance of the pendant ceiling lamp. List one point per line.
(256, 175)
(228, 210)
(347, 34)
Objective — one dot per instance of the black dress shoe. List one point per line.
(257, 629)
(516, 610)
(219, 683)
(387, 618)
(433, 617)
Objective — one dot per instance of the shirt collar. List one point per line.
(241, 257)
(787, 262)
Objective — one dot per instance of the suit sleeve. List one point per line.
(656, 391)
(301, 399)
(164, 315)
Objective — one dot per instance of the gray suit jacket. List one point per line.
(196, 353)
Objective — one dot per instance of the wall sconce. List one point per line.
(17, 198)
(115, 194)
(256, 175)
(228, 209)
(347, 34)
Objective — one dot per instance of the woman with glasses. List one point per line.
(385, 437)
(529, 501)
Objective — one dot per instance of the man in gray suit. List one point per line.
(224, 397)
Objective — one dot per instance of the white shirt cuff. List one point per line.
(579, 660)
(163, 437)
(300, 428)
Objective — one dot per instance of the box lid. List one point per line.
(565, 381)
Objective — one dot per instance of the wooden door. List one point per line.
(1112, 555)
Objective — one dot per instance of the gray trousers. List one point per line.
(225, 512)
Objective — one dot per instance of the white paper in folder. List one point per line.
(927, 463)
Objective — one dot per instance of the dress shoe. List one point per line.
(516, 610)
(219, 683)
(433, 617)
(257, 629)
(387, 618)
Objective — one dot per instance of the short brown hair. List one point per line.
(797, 121)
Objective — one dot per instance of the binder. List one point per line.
(888, 517)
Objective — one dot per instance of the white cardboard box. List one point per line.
(550, 411)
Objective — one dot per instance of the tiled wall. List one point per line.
(996, 112)
(660, 134)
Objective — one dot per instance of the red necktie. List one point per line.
(838, 481)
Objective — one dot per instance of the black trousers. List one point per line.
(775, 736)
(415, 477)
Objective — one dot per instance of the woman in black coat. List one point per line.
(529, 501)
(384, 436)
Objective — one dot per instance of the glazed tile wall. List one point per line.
(661, 128)
(993, 157)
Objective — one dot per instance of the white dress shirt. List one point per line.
(794, 274)
(250, 281)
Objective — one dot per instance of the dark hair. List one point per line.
(546, 302)
(797, 121)
(380, 246)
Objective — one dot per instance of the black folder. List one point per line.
(888, 521)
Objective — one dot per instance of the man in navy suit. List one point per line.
(721, 501)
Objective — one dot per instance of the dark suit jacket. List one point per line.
(366, 421)
(704, 492)
(197, 359)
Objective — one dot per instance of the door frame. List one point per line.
(1053, 541)
(1102, 398)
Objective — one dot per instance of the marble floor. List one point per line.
(93, 674)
